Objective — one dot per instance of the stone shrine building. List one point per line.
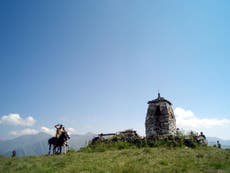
(160, 119)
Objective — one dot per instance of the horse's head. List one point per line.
(65, 136)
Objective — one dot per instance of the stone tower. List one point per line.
(160, 119)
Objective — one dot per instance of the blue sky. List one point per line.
(93, 65)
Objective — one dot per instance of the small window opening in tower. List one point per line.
(158, 111)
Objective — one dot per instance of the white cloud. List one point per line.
(71, 130)
(24, 132)
(16, 120)
(187, 120)
(48, 131)
(51, 131)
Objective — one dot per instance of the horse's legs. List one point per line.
(60, 149)
(54, 149)
(57, 150)
(68, 147)
(65, 147)
(49, 149)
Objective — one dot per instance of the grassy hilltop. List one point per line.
(139, 160)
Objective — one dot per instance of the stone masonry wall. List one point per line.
(160, 119)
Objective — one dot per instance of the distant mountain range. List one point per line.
(29, 145)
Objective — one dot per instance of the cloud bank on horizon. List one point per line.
(43, 129)
(16, 120)
(26, 131)
(185, 120)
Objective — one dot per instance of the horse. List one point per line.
(58, 143)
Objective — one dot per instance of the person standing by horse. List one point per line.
(59, 130)
(59, 141)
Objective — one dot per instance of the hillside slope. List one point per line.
(147, 160)
(31, 145)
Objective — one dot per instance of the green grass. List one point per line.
(140, 160)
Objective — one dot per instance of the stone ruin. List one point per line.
(127, 136)
(160, 119)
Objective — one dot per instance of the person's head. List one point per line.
(61, 126)
(201, 133)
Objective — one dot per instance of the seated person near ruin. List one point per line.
(201, 134)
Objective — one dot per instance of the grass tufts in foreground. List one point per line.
(157, 159)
